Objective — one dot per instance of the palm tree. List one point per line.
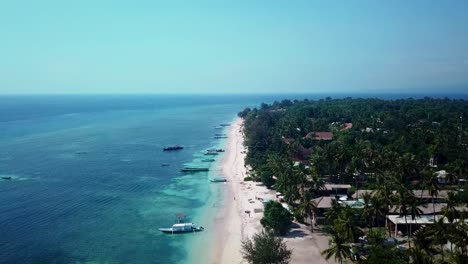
(367, 212)
(419, 256)
(438, 232)
(402, 204)
(378, 210)
(291, 194)
(450, 211)
(459, 238)
(414, 212)
(433, 189)
(316, 184)
(457, 168)
(308, 207)
(346, 225)
(301, 176)
(334, 211)
(423, 242)
(339, 249)
(458, 258)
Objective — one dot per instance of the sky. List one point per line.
(271, 46)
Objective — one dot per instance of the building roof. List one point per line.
(429, 209)
(426, 209)
(443, 194)
(422, 220)
(347, 126)
(330, 186)
(361, 193)
(320, 135)
(324, 202)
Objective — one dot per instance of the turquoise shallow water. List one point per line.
(88, 186)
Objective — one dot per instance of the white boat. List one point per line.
(182, 228)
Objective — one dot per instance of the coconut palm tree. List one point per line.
(300, 174)
(438, 233)
(316, 184)
(346, 225)
(414, 212)
(334, 211)
(338, 249)
(402, 203)
(378, 210)
(457, 168)
(308, 207)
(367, 210)
(433, 189)
(459, 238)
(450, 211)
(291, 194)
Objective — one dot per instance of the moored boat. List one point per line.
(176, 147)
(218, 180)
(182, 228)
(6, 177)
(213, 153)
(208, 160)
(194, 169)
(215, 150)
(218, 137)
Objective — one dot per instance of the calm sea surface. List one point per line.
(87, 182)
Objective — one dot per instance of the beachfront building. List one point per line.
(337, 189)
(324, 203)
(327, 136)
(400, 226)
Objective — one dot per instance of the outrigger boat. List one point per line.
(218, 180)
(194, 169)
(182, 228)
(215, 150)
(177, 147)
(208, 160)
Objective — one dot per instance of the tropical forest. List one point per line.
(385, 180)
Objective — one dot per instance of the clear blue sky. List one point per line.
(271, 46)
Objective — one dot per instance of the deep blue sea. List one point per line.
(87, 182)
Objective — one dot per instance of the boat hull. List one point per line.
(170, 231)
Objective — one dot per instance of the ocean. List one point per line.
(88, 185)
(87, 182)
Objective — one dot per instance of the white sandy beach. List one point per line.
(233, 224)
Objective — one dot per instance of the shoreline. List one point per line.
(232, 224)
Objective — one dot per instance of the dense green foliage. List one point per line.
(265, 248)
(276, 217)
(385, 135)
(390, 147)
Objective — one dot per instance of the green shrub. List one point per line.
(276, 217)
